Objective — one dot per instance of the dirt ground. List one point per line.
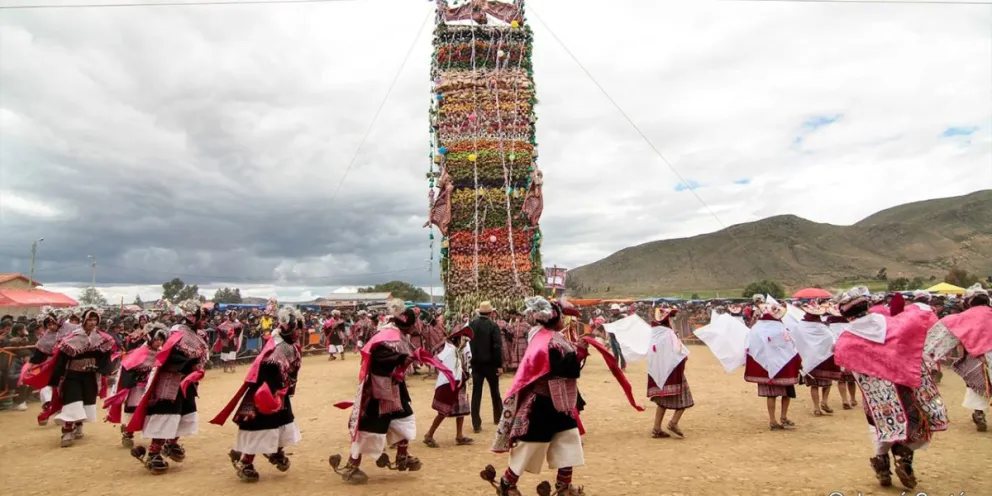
(728, 448)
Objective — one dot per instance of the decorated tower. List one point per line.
(485, 197)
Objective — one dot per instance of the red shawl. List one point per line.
(138, 419)
(536, 363)
(250, 378)
(115, 404)
(388, 335)
(38, 376)
(227, 330)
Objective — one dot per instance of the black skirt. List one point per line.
(262, 422)
(371, 421)
(546, 421)
(79, 386)
(182, 405)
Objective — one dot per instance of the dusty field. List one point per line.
(728, 449)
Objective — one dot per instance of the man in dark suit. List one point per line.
(487, 363)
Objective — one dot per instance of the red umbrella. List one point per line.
(812, 293)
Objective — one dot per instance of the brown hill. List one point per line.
(916, 239)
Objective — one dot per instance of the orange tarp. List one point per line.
(587, 302)
(34, 298)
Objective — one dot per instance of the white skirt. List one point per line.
(564, 450)
(169, 426)
(76, 412)
(267, 441)
(975, 401)
(372, 445)
(335, 348)
(229, 356)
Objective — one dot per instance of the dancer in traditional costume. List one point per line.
(334, 333)
(668, 387)
(457, 357)
(971, 329)
(815, 344)
(540, 419)
(81, 358)
(229, 341)
(363, 329)
(381, 413)
(921, 300)
(773, 363)
(42, 354)
(736, 311)
(889, 359)
(846, 385)
(167, 411)
(519, 328)
(133, 380)
(266, 423)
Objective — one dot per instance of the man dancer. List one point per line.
(381, 413)
(229, 341)
(133, 379)
(889, 359)
(82, 357)
(167, 410)
(266, 423)
(540, 420)
(42, 356)
(971, 329)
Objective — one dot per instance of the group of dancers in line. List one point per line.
(889, 351)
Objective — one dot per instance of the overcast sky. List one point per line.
(207, 142)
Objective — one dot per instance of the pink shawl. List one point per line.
(973, 327)
(898, 359)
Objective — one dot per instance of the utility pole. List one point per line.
(92, 270)
(34, 251)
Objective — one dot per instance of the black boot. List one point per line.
(880, 464)
(247, 472)
(279, 459)
(979, 419)
(507, 489)
(904, 465)
(156, 464)
(175, 452)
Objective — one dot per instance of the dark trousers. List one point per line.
(617, 353)
(487, 373)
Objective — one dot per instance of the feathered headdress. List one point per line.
(157, 331)
(852, 297)
(538, 309)
(974, 291)
(288, 316)
(190, 309)
(395, 307)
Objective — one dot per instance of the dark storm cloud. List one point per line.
(214, 156)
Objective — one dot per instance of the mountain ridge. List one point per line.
(923, 239)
